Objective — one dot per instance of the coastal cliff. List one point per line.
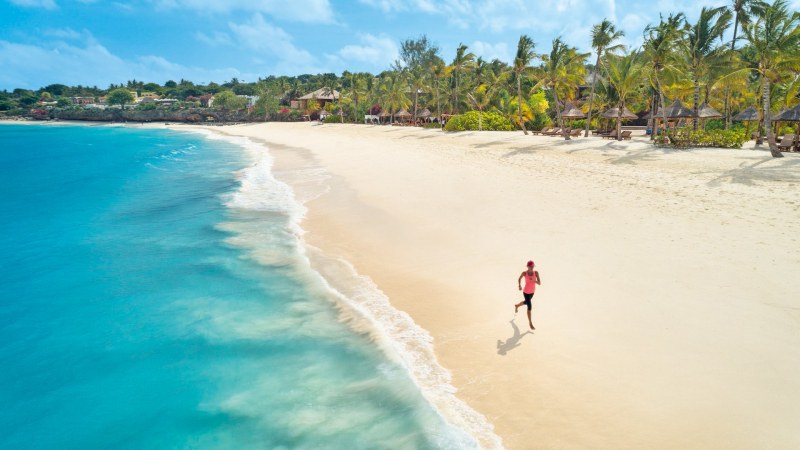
(194, 115)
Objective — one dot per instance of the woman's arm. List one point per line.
(519, 280)
(538, 278)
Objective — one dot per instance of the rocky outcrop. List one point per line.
(195, 115)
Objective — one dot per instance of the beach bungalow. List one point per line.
(321, 95)
(82, 100)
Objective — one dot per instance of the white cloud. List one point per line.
(46, 4)
(377, 52)
(310, 11)
(34, 66)
(262, 37)
(491, 51)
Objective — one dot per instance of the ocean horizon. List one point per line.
(158, 294)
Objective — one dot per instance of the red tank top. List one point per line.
(530, 282)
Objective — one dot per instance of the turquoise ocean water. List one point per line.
(155, 295)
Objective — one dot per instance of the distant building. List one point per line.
(322, 96)
(148, 95)
(251, 100)
(82, 100)
(165, 101)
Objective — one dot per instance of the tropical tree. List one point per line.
(480, 99)
(392, 92)
(562, 70)
(742, 11)
(604, 34)
(119, 96)
(774, 38)
(659, 48)
(438, 71)
(417, 81)
(462, 63)
(700, 48)
(625, 74)
(358, 91)
(522, 62)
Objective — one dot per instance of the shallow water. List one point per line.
(155, 295)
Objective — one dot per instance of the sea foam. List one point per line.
(362, 304)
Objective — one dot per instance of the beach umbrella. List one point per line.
(572, 112)
(626, 114)
(677, 111)
(402, 114)
(791, 115)
(425, 113)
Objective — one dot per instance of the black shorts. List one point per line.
(528, 298)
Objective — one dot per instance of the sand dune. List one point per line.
(669, 311)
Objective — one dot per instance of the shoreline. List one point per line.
(624, 356)
(610, 371)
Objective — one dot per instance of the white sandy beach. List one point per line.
(669, 311)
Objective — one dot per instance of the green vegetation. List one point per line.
(473, 121)
(687, 61)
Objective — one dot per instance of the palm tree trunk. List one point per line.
(558, 115)
(519, 103)
(773, 148)
(480, 120)
(726, 111)
(663, 107)
(620, 108)
(591, 96)
(416, 94)
(696, 101)
(653, 103)
(438, 108)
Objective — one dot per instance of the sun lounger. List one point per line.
(553, 132)
(576, 132)
(626, 134)
(786, 143)
(544, 130)
(611, 135)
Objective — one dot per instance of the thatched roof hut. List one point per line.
(677, 111)
(402, 113)
(707, 112)
(322, 94)
(790, 115)
(747, 115)
(626, 114)
(425, 113)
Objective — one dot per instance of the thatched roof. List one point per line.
(402, 113)
(424, 113)
(677, 111)
(571, 112)
(386, 113)
(626, 113)
(748, 114)
(790, 115)
(321, 94)
(707, 112)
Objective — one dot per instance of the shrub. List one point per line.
(686, 137)
(715, 124)
(332, 118)
(786, 129)
(431, 125)
(539, 121)
(469, 121)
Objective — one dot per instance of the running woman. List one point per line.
(532, 278)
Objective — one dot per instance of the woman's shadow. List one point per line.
(512, 342)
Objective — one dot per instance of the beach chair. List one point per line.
(576, 132)
(553, 132)
(611, 135)
(786, 143)
(626, 134)
(544, 131)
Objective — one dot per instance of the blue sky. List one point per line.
(96, 42)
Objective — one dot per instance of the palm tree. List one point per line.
(393, 93)
(774, 37)
(358, 90)
(522, 64)
(461, 64)
(438, 72)
(699, 48)
(417, 81)
(659, 47)
(625, 75)
(480, 98)
(742, 10)
(603, 36)
(562, 70)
